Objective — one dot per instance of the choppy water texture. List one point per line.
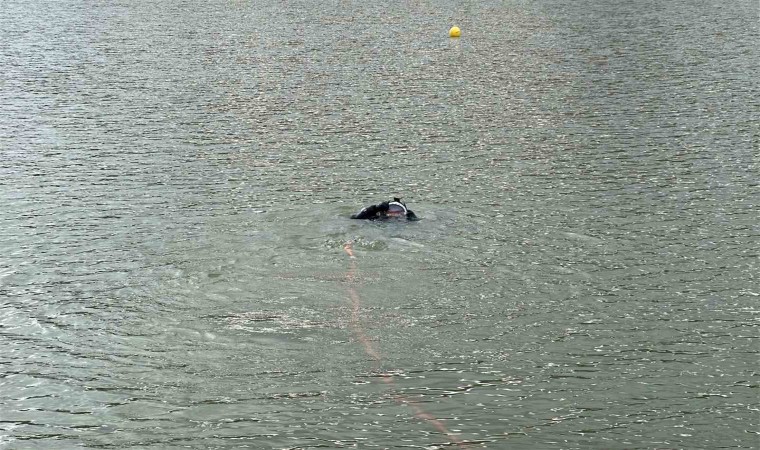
(175, 179)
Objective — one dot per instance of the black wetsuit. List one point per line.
(379, 211)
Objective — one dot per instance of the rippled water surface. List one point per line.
(176, 179)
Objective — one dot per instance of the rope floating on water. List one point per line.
(369, 348)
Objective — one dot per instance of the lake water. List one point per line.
(176, 180)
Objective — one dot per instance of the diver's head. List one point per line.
(396, 208)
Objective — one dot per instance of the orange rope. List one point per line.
(372, 352)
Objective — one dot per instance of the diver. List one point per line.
(386, 210)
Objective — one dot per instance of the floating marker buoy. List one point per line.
(455, 32)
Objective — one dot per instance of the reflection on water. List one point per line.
(176, 181)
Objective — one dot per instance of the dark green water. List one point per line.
(176, 178)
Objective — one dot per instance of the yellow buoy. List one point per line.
(455, 32)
